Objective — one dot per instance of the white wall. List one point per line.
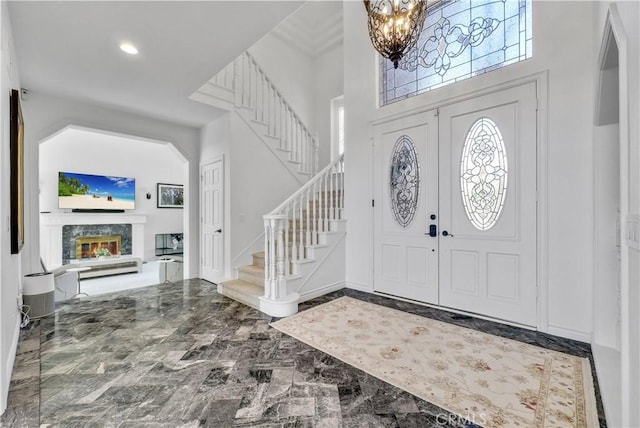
(215, 139)
(329, 83)
(256, 182)
(569, 160)
(46, 115)
(607, 211)
(87, 152)
(627, 28)
(10, 264)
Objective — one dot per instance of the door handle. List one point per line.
(433, 231)
(445, 233)
(217, 231)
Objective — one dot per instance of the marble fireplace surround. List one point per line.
(51, 225)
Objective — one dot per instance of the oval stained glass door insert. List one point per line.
(483, 174)
(404, 181)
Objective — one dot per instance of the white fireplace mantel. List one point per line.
(51, 232)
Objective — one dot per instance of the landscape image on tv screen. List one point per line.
(95, 192)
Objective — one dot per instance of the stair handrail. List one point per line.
(298, 224)
(284, 205)
(252, 88)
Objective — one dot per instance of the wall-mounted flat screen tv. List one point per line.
(95, 192)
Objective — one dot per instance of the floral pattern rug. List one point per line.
(489, 380)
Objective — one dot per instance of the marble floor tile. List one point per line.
(181, 355)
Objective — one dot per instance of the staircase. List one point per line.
(303, 252)
(250, 283)
(300, 235)
(243, 87)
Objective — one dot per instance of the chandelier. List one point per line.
(394, 26)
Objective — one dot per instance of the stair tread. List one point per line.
(259, 255)
(244, 287)
(252, 269)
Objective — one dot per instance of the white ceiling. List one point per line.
(70, 49)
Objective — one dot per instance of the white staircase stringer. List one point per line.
(215, 96)
(244, 257)
(281, 155)
(324, 274)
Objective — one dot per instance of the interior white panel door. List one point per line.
(212, 221)
(406, 257)
(489, 268)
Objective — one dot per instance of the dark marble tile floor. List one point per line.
(181, 355)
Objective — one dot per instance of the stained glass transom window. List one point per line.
(404, 181)
(483, 174)
(460, 39)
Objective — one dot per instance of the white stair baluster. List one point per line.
(287, 260)
(312, 207)
(258, 112)
(301, 168)
(331, 196)
(301, 238)
(294, 256)
(237, 82)
(308, 237)
(272, 260)
(258, 104)
(326, 203)
(265, 102)
(267, 259)
(281, 284)
(299, 140)
(341, 178)
(281, 123)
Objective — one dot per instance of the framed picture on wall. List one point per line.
(170, 195)
(16, 156)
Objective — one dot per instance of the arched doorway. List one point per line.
(142, 162)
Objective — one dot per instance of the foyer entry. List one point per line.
(455, 206)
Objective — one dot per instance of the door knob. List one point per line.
(445, 233)
(217, 231)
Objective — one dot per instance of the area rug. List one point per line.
(489, 380)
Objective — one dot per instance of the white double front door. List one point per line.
(455, 206)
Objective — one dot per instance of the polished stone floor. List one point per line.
(181, 355)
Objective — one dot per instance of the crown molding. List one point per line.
(311, 41)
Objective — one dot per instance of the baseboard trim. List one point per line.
(607, 366)
(8, 370)
(322, 291)
(569, 334)
(367, 288)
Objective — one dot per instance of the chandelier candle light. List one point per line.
(394, 26)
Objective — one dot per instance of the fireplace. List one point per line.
(94, 237)
(59, 231)
(92, 246)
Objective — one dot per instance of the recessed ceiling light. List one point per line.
(128, 48)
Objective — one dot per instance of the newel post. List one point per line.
(276, 301)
